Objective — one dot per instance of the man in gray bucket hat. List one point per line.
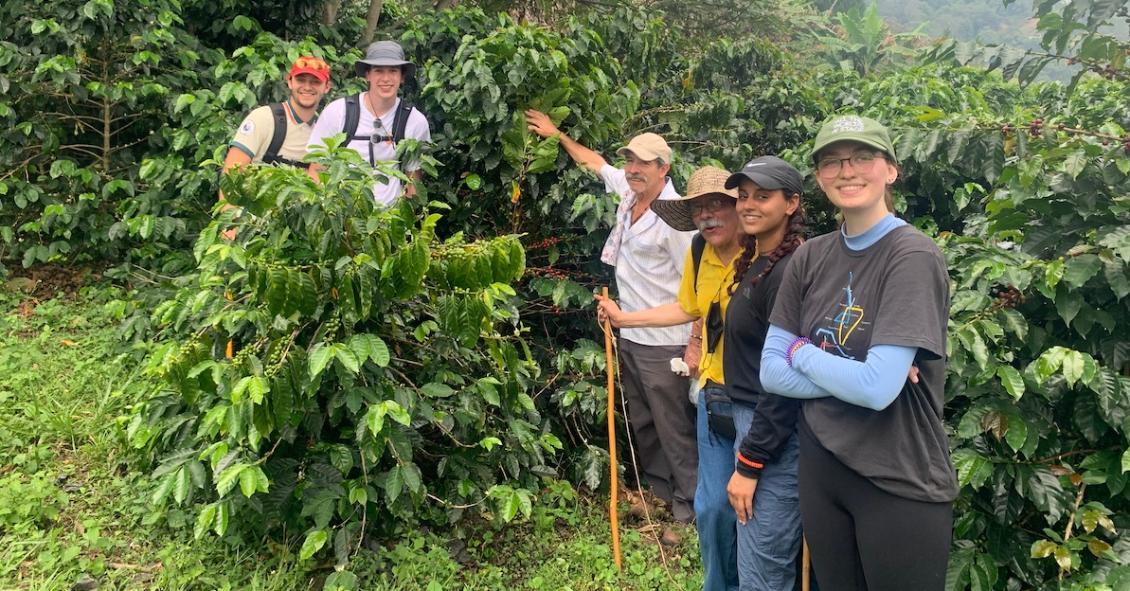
(377, 121)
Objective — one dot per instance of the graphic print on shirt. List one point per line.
(834, 336)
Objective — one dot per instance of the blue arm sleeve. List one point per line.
(872, 384)
(776, 375)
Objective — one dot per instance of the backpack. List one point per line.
(271, 156)
(353, 118)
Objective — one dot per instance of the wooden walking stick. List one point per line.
(805, 566)
(614, 486)
(229, 349)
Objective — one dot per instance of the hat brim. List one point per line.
(642, 154)
(362, 66)
(323, 75)
(763, 181)
(677, 212)
(851, 137)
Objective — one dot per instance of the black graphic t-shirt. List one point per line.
(894, 292)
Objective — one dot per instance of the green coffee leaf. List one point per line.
(319, 357)
(314, 542)
(1012, 380)
(204, 520)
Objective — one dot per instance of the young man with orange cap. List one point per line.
(278, 132)
(649, 257)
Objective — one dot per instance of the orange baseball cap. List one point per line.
(314, 66)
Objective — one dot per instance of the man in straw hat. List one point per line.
(376, 120)
(649, 256)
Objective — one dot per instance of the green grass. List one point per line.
(73, 501)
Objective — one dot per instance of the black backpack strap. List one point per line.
(698, 245)
(278, 112)
(352, 117)
(352, 120)
(400, 121)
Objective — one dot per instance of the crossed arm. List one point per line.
(814, 373)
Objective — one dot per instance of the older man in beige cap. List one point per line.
(649, 256)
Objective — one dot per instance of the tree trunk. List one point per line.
(329, 12)
(445, 4)
(371, 19)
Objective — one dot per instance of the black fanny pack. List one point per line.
(719, 410)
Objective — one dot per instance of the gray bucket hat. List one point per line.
(384, 53)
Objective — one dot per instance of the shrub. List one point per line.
(377, 373)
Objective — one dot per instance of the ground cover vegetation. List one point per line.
(73, 515)
(434, 368)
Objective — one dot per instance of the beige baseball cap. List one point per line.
(648, 147)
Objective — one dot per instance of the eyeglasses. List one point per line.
(312, 63)
(711, 205)
(862, 160)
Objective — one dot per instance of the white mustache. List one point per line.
(709, 223)
(632, 177)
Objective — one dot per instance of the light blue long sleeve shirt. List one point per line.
(873, 383)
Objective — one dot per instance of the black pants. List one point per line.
(863, 538)
(663, 423)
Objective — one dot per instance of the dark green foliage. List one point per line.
(476, 96)
(376, 367)
(110, 111)
(83, 89)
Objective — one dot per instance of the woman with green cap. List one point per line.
(856, 310)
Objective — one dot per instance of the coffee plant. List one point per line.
(337, 366)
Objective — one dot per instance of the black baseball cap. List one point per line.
(770, 173)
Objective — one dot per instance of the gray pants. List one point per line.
(663, 423)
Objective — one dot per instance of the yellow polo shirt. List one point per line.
(714, 281)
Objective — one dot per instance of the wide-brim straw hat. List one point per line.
(704, 182)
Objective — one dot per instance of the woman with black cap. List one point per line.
(857, 309)
(761, 453)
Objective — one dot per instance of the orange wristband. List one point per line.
(750, 463)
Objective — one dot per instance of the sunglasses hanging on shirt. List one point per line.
(379, 136)
(379, 133)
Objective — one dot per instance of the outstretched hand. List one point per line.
(229, 234)
(540, 123)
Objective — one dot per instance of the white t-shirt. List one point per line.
(649, 265)
(331, 121)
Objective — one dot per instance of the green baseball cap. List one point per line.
(853, 128)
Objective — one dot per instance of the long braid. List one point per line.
(794, 236)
